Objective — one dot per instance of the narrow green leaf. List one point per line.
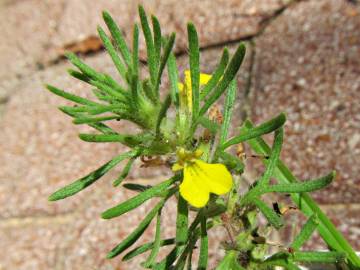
(306, 204)
(194, 60)
(167, 50)
(146, 247)
(318, 257)
(157, 36)
(157, 242)
(88, 71)
(182, 221)
(98, 126)
(134, 91)
(306, 186)
(71, 97)
(174, 79)
(125, 171)
(229, 75)
(135, 235)
(129, 140)
(163, 110)
(272, 217)
(228, 110)
(94, 110)
(112, 52)
(135, 55)
(73, 110)
(138, 199)
(88, 120)
(204, 246)
(136, 187)
(119, 95)
(102, 96)
(151, 54)
(274, 157)
(135, 52)
(216, 76)
(305, 233)
(118, 38)
(86, 181)
(260, 130)
(299, 187)
(232, 163)
(78, 75)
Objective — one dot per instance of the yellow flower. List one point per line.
(186, 90)
(201, 178)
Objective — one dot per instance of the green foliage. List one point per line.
(166, 125)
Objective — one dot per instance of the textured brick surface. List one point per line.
(34, 30)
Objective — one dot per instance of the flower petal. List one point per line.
(192, 189)
(215, 176)
(204, 78)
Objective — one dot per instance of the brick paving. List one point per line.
(315, 79)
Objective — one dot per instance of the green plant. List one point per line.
(195, 146)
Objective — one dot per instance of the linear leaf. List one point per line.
(163, 110)
(86, 181)
(204, 246)
(216, 76)
(228, 110)
(229, 75)
(182, 221)
(151, 54)
(299, 187)
(112, 52)
(88, 120)
(274, 157)
(118, 37)
(260, 130)
(135, 51)
(318, 257)
(157, 36)
(119, 95)
(174, 79)
(272, 217)
(146, 247)
(194, 60)
(306, 186)
(157, 242)
(130, 140)
(78, 75)
(135, 235)
(305, 233)
(138, 199)
(88, 71)
(167, 50)
(71, 97)
(136, 187)
(125, 171)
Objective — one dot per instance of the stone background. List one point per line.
(303, 58)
